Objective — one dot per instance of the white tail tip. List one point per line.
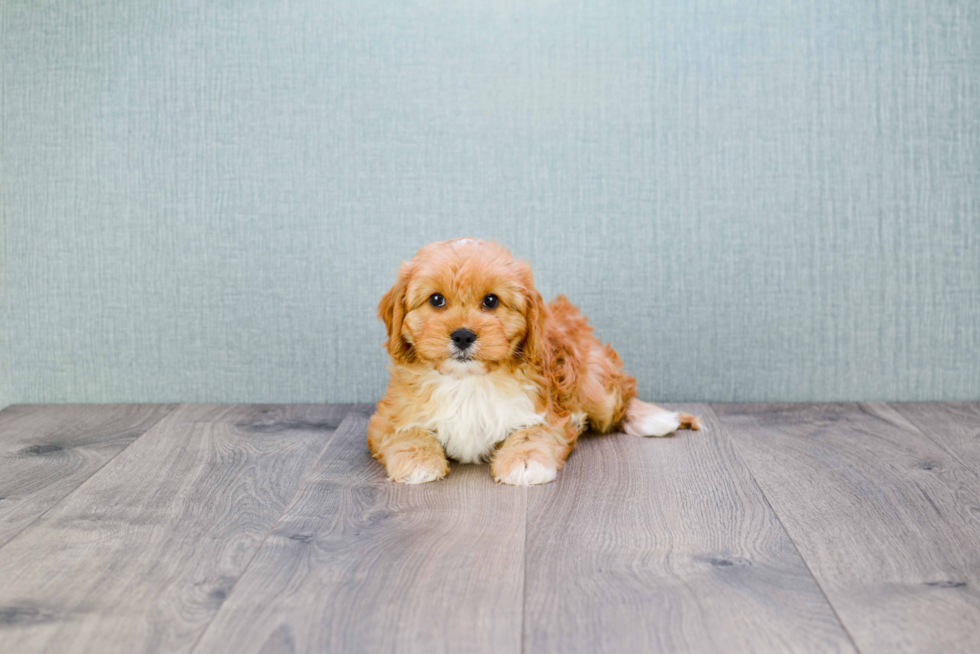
(644, 419)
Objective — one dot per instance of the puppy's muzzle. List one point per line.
(463, 338)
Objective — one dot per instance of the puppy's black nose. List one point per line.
(463, 338)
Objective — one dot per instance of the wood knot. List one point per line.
(727, 561)
(946, 584)
(41, 450)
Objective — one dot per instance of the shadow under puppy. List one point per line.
(483, 369)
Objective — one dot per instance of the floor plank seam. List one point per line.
(285, 510)
(527, 501)
(789, 535)
(87, 479)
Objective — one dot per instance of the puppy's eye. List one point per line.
(490, 302)
(437, 300)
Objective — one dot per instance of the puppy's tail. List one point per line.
(645, 419)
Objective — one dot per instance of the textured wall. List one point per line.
(752, 200)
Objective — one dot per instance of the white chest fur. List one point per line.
(471, 413)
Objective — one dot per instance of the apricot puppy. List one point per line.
(482, 369)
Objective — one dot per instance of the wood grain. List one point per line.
(361, 564)
(47, 452)
(952, 425)
(883, 515)
(142, 556)
(661, 545)
(269, 528)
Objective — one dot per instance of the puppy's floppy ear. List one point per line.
(391, 309)
(534, 315)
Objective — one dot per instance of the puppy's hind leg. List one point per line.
(645, 419)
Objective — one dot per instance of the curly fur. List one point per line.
(535, 378)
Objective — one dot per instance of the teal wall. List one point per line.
(752, 200)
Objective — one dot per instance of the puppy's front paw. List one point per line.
(416, 467)
(523, 467)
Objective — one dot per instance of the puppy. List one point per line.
(482, 369)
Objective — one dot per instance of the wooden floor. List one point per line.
(193, 528)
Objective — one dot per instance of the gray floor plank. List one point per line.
(47, 451)
(361, 564)
(953, 425)
(666, 545)
(141, 557)
(884, 516)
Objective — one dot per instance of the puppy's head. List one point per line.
(463, 306)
